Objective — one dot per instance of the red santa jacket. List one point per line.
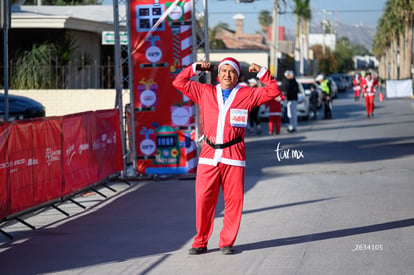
(218, 117)
(369, 86)
(357, 83)
(275, 106)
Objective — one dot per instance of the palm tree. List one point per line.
(405, 9)
(393, 39)
(303, 17)
(214, 42)
(265, 20)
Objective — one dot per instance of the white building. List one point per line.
(365, 62)
(329, 40)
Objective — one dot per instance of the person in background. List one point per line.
(254, 119)
(275, 114)
(326, 94)
(290, 88)
(357, 86)
(369, 85)
(363, 74)
(313, 101)
(243, 81)
(224, 108)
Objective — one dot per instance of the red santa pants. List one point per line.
(274, 120)
(208, 181)
(356, 91)
(369, 102)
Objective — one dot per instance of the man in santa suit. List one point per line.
(275, 114)
(357, 86)
(369, 85)
(224, 109)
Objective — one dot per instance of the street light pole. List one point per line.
(6, 25)
(275, 39)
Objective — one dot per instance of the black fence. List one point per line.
(80, 75)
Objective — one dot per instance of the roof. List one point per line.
(243, 41)
(93, 18)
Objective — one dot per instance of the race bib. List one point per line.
(238, 117)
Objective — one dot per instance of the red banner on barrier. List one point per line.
(20, 152)
(47, 160)
(79, 160)
(108, 143)
(4, 170)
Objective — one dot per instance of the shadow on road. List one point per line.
(159, 218)
(327, 235)
(314, 152)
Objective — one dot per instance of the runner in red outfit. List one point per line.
(224, 109)
(369, 85)
(275, 114)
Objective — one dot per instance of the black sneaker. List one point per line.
(197, 250)
(227, 250)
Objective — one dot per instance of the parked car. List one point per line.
(334, 92)
(348, 80)
(21, 107)
(340, 82)
(302, 107)
(306, 82)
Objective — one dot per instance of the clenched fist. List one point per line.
(254, 68)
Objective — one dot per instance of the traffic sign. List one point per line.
(108, 38)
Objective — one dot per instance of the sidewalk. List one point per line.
(345, 207)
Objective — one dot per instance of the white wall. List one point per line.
(63, 102)
(260, 58)
(319, 39)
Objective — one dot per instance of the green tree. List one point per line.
(303, 16)
(32, 70)
(326, 62)
(265, 20)
(358, 49)
(214, 42)
(394, 38)
(36, 68)
(343, 55)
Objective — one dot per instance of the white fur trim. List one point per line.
(231, 63)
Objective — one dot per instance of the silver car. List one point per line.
(302, 107)
(306, 83)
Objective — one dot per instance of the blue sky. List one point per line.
(350, 12)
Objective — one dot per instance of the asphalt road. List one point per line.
(336, 197)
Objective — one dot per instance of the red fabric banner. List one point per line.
(79, 160)
(47, 160)
(107, 145)
(20, 151)
(4, 170)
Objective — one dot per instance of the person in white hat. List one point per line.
(326, 95)
(290, 88)
(224, 109)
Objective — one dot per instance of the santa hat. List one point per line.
(319, 78)
(232, 62)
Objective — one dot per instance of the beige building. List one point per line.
(83, 25)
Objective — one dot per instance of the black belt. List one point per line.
(224, 145)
